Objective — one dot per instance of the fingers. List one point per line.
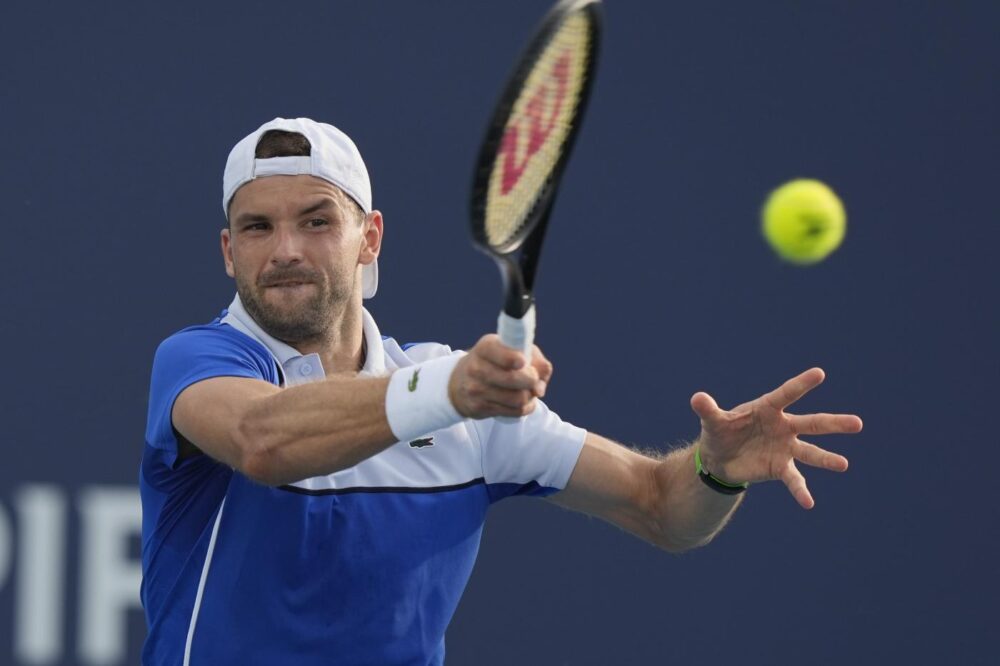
(502, 357)
(511, 406)
(495, 380)
(794, 388)
(812, 455)
(825, 424)
(705, 406)
(475, 397)
(496, 352)
(543, 366)
(796, 484)
(525, 378)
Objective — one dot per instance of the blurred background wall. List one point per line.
(115, 122)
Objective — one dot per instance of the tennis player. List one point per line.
(314, 492)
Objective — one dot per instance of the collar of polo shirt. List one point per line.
(297, 368)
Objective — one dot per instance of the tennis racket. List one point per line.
(527, 145)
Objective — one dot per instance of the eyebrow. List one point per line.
(322, 204)
(253, 218)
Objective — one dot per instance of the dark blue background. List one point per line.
(116, 122)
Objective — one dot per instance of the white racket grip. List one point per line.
(518, 333)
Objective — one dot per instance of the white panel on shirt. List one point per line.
(539, 447)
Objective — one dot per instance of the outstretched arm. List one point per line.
(664, 501)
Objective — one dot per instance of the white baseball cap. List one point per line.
(333, 157)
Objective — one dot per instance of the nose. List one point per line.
(287, 250)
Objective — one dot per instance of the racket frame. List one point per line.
(518, 272)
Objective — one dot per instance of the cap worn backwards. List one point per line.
(333, 157)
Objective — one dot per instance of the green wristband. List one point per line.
(714, 482)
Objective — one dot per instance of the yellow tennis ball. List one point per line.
(804, 221)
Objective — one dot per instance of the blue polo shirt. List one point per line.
(363, 566)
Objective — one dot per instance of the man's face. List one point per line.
(295, 245)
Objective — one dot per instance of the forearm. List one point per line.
(659, 499)
(277, 436)
(313, 429)
(320, 428)
(687, 513)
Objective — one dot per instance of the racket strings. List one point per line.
(535, 135)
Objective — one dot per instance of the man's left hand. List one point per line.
(759, 441)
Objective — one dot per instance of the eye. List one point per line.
(318, 222)
(257, 226)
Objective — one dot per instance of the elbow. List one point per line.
(670, 546)
(675, 537)
(660, 536)
(659, 523)
(258, 466)
(676, 546)
(255, 453)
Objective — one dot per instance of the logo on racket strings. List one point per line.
(540, 116)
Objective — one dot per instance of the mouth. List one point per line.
(288, 286)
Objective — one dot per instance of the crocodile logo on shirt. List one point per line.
(422, 442)
(412, 385)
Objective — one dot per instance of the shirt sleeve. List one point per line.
(534, 455)
(193, 355)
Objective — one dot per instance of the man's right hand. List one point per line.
(495, 380)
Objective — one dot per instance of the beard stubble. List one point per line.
(307, 321)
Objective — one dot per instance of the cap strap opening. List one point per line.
(282, 166)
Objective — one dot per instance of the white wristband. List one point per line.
(417, 401)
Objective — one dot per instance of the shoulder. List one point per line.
(214, 335)
(213, 344)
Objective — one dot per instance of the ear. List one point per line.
(227, 251)
(371, 238)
